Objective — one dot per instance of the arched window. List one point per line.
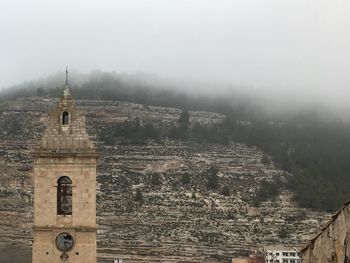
(65, 118)
(64, 196)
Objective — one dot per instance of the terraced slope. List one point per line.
(176, 222)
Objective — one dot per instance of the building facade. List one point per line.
(282, 255)
(64, 179)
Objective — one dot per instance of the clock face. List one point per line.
(64, 241)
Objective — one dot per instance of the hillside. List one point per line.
(311, 142)
(175, 220)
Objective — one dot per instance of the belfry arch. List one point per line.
(65, 118)
(64, 196)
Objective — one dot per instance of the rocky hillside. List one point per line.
(146, 211)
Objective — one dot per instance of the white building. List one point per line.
(282, 255)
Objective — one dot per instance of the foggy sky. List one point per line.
(298, 48)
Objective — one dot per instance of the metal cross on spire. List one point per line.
(66, 76)
(66, 92)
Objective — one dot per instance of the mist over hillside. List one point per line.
(310, 143)
(151, 89)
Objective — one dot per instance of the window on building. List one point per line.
(277, 253)
(64, 196)
(285, 254)
(292, 261)
(65, 118)
(285, 260)
(292, 254)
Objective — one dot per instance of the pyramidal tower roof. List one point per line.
(65, 129)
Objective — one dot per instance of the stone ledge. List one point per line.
(65, 154)
(77, 228)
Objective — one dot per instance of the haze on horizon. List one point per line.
(292, 48)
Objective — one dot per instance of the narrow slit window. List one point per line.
(65, 118)
(64, 196)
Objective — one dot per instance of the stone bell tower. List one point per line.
(64, 172)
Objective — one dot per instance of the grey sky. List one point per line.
(297, 47)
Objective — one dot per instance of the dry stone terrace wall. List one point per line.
(120, 111)
(175, 222)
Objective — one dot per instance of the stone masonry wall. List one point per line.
(333, 243)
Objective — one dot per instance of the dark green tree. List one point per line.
(185, 178)
(265, 160)
(139, 195)
(40, 92)
(283, 233)
(212, 176)
(226, 191)
(184, 119)
(267, 190)
(155, 179)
